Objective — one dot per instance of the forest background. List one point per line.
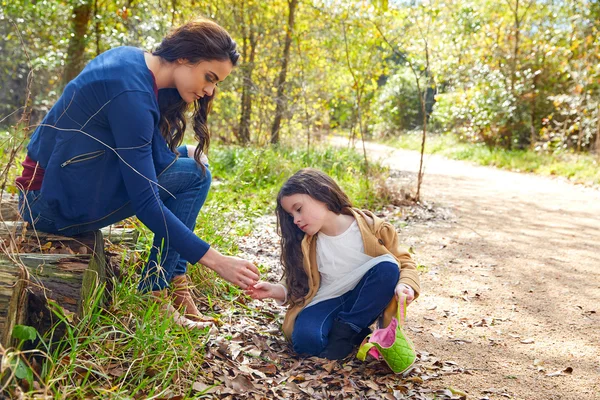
(511, 83)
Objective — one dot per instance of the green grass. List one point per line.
(129, 350)
(251, 177)
(580, 168)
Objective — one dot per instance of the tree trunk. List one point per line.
(358, 85)
(249, 49)
(598, 134)
(533, 118)
(77, 42)
(306, 114)
(97, 28)
(280, 100)
(173, 11)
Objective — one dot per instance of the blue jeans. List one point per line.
(358, 308)
(184, 179)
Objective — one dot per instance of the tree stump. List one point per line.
(38, 268)
(29, 281)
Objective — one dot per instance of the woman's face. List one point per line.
(194, 81)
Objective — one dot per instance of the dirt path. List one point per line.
(512, 279)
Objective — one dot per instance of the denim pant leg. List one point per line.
(313, 324)
(187, 187)
(364, 303)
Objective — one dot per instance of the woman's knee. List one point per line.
(200, 174)
(204, 175)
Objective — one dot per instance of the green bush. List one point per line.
(397, 105)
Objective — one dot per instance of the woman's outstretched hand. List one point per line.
(266, 290)
(235, 270)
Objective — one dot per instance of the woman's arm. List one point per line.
(188, 150)
(132, 119)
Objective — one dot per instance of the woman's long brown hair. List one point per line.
(200, 40)
(320, 187)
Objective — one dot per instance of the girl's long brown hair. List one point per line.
(200, 40)
(320, 187)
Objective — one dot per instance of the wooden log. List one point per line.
(12, 294)
(14, 229)
(11, 224)
(41, 267)
(28, 281)
(120, 235)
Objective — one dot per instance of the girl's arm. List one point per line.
(265, 290)
(409, 275)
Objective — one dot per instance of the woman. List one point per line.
(108, 149)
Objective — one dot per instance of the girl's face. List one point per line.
(194, 81)
(309, 215)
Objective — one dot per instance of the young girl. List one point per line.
(108, 149)
(343, 268)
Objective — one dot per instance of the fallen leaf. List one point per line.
(567, 371)
(329, 366)
(116, 372)
(250, 371)
(457, 392)
(240, 384)
(204, 388)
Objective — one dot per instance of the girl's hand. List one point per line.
(265, 290)
(403, 290)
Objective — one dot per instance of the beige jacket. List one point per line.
(379, 238)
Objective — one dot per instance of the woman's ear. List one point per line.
(182, 61)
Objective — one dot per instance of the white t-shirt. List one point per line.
(342, 263)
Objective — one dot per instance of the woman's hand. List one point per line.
(265, 290)
(235, 270)
(403, 290)
(191, 151)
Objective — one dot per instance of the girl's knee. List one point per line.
(387, 271)
(305, 341)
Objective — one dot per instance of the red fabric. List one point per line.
(32, 176)
(154, 83)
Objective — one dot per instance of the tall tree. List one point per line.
(82, 12)
(250, 39)
(280, 99)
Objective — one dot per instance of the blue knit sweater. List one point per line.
(101, 149)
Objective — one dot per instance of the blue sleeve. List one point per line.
(132, 117)
(182, 150)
